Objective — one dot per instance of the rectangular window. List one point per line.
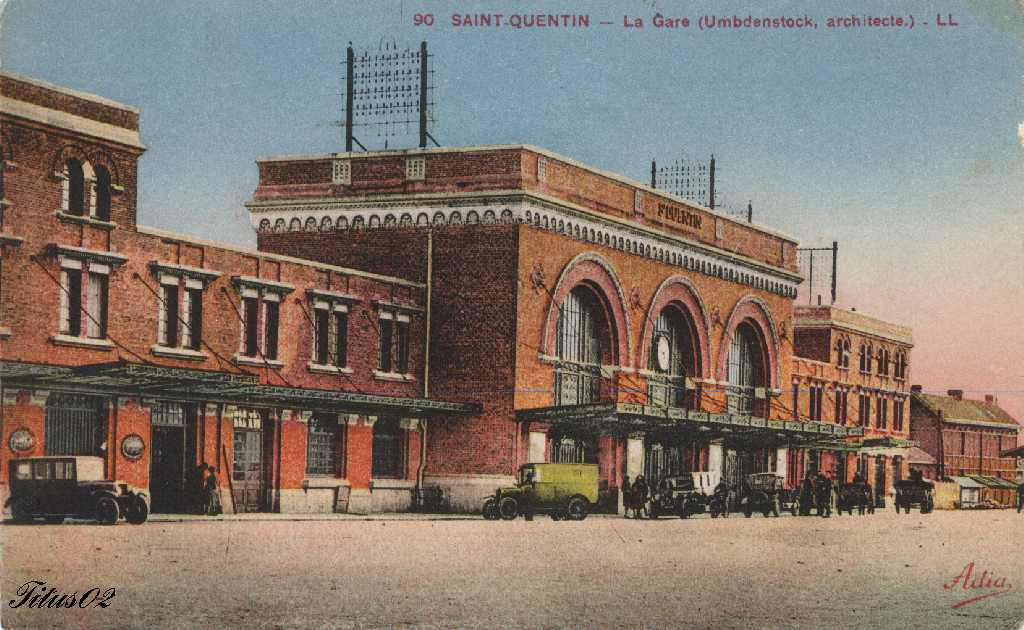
(271, 321)
(340, 338)
(71, 302)
(322, 333)
(385, 342)
(897, 415)
(325, 446)
(863, 409)
(815, 400)
(251, 310)
(402, 347)
(169, 316)
(879, 412)
(97, 296)
(796, 401)
(193, 331)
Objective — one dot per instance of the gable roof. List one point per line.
(966, 411)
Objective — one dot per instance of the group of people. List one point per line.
(816, 491)
(204, 493)
(635, 497)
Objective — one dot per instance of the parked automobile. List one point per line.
(59, 487)
(915, 492)
(764, 493)
(677, 496)
(563, 491)
(855, 495)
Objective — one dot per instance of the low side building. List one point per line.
(302, 382)
(966, 437)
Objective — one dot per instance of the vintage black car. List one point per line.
(856, 495)
(765, 493)
(915, 492)
(62, 487)
(677, 496)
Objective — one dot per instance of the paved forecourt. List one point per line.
(885, 570)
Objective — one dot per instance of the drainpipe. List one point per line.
(426, 363)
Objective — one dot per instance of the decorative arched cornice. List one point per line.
(102, 158)
(67, 152)
(751, 308)
(596, 272)
(680, 290)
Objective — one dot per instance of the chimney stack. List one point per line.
(990, 399)
(915, 389)
(956, 393)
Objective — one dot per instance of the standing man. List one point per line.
(1020, 496)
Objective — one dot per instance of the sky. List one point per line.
(905, 145)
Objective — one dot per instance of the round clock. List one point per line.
(132, 446)
(664, 353)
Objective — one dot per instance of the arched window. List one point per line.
(843, 353)
(746, 370)
(73, 192)
(102, 210)
(865, 358)
(672, 358)
(388, 448)
(580, 333)
(563, 449)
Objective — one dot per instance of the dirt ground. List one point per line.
(804, 572)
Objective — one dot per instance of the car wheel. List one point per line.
(107, 511)
(490, 510)
(23, 509)
(508, 508)
(577, 509)
(137, 511)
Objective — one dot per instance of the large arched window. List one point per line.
(580, 343)
(746, 371)
(570, 449)
(672, 357)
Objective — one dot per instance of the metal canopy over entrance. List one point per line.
(135, 379)
(625, 417)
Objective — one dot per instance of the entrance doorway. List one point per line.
(247, 472)
(173, 453)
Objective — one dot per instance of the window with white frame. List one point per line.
(261, 317)
(863, 409)
(341, 172)
(330, 332)
(840, 401)
(881, 412)
(415, 168)
(897, 414)
(85, 190)
(817, 391)
(394, 342)
(865, 358)
(89, 280)
(180, 315)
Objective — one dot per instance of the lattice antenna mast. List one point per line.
(388, 92)
(805, 256)
(686, 178)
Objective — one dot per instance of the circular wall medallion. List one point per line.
(132, 446)
(664, 353)
(21, 440)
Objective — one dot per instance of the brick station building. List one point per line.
(412, 324)
(593, 318)
(851, 371)
(304, 381)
